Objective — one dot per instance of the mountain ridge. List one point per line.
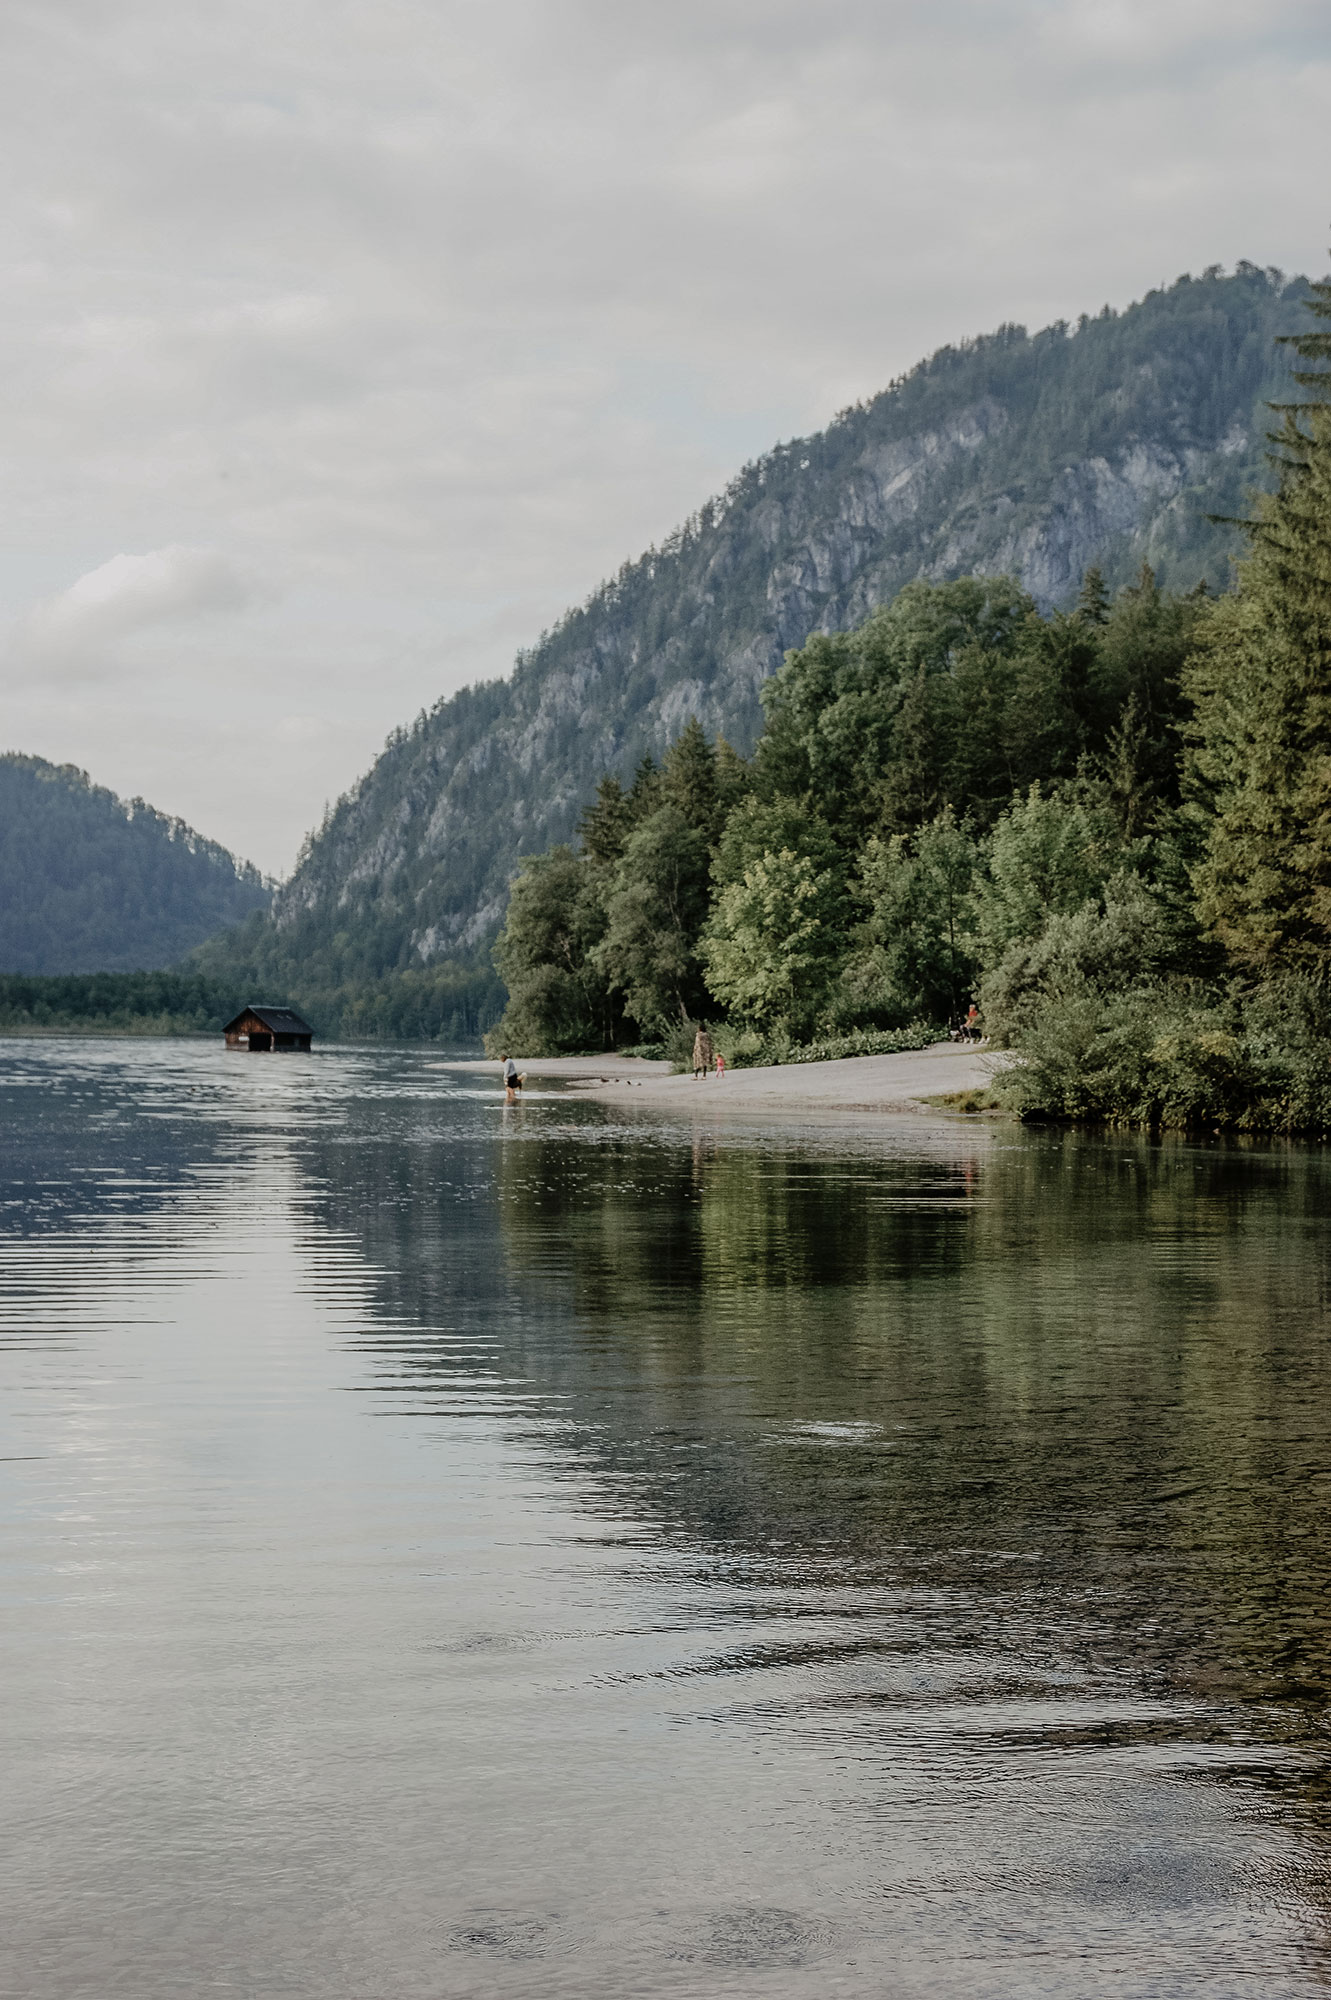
(1112, 441)
(93, 883)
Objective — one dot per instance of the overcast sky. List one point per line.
(347, 342)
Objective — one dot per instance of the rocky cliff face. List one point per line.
(1110, 442)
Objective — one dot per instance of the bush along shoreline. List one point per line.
(745, 1050)
(1169, 1057)
(1110, 826)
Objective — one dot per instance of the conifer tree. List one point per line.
(689, 780)
(1093, 600)
(912, 782)
(1260, 684)
(1141, 650)
(734, 779)
(644, 793)
(606, 823)
(656, 903)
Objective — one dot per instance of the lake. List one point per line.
(459, 1549)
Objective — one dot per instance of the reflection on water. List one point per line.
(453, 1549)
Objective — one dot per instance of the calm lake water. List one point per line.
(454, 1550)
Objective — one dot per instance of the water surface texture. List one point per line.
(453, 1549)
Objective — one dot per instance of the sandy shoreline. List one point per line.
(896, 1083)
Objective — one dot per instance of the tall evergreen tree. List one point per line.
(689, 780)
(1141, 650)
(607, 822)
(734, 779)
(644, 793)
(913, 781)
(1260, 683)
(1093, 599)
(656, 904)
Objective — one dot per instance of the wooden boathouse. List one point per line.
(260, 1029)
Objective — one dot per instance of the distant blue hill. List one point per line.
(93, 883)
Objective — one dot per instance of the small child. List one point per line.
(720, 1067)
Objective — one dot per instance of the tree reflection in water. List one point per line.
(1102, 1361)
(1068, 1393)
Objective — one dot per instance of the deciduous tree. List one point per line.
(774, 940)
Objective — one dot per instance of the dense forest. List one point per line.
(116, 1003)
(1112, 441)
(1110, 824)
(338, 986)
(445, 1005)
(93, 883)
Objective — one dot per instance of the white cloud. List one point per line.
(439, 311)
(122, 596)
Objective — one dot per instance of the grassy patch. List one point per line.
(972, 1102)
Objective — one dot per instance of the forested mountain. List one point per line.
(93, 883)
(1109, 442)
(1112, 825)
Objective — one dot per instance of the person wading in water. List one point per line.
(512, 1081)
(702, 1054)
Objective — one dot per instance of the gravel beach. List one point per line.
(856, 1083)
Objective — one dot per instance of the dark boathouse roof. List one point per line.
(281, 1020)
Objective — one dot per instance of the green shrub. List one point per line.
(1179, 1055)
(1110, 946)
(749, 1050)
